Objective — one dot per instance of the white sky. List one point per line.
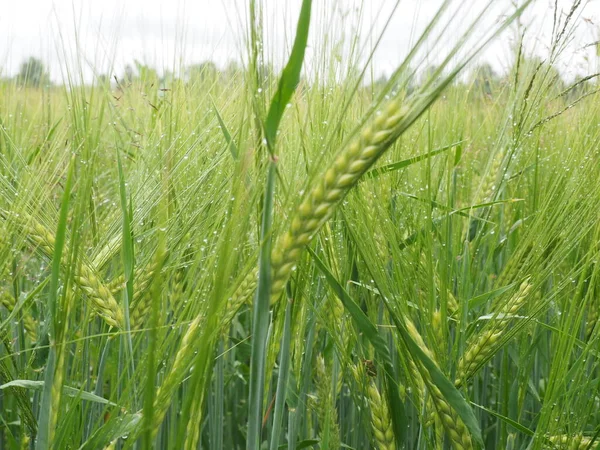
(168, 34)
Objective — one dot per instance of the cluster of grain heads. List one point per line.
(57, 386)
(330, 188)
(490, 178)
(177, 288)
(438, 334)
(380, 417)
(370, 202)
(117, 284)
(454, 426)
(515, 265)
(484, 344)
(142, 278)
(451, 302)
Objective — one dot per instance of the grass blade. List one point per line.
(230, 142)
(374, 173)
(128, 266)
(290, 76)
(70, 391)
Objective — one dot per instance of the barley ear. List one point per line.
(142, 300)
(484, 345)
(178, 370)
(102, 300)
(455, 427)
(29, 323)
(381, 421)
(330, 188)
(86, 279)
(326, 409)
(242, 293)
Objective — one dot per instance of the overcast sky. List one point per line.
(104, 35)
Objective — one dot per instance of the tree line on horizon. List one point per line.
(484, 79)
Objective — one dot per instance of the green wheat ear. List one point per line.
(86, 278)
(330, 188)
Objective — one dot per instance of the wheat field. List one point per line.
(261, 258)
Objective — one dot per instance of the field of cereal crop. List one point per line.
(302, 257)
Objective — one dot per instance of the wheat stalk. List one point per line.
(593, 313)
